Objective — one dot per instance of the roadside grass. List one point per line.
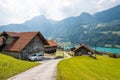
(70, 53)
(86, 68)
(60, 53)
(10, 66)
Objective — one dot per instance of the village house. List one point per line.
(52, 47)
(83, 49)
(21, 44)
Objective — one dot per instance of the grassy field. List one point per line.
(10, 66)
(113, 32)
(59, 53)
(70, 53)
(86, 68)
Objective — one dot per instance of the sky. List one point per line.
(18, 11)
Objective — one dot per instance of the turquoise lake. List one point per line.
(103, 49)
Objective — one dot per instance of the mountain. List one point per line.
(85, 28)
(39, 23)
(14, 27)
(42, 24)
(102, 28)
(108, 15)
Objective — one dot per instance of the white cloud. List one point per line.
(104, 4)
(18, 11)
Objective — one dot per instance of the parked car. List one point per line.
(36, 56)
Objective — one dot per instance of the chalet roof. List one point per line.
(85, 46)
(23, 40)
(51, 43)
(13, 34)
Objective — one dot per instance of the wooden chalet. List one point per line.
(21, 44)
(51, 48)
(83, 49)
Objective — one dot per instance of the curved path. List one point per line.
(45, 71)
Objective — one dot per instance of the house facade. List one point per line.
(83, 49)
(22, 44)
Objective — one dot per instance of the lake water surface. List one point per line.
(104, 49)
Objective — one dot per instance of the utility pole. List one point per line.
(63, 48)
(95, 50)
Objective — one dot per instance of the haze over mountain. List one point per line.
(83, 28)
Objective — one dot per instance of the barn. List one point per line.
(21, 44)
(83, 49)
(52, 47)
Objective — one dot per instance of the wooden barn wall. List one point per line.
(35, 46)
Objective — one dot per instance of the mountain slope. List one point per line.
(108, 15)
(39, 23)
(84, 28)
(42, 24)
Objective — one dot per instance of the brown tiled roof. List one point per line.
(51, 43)
(85, 46)
(23, 40)
(13, 34)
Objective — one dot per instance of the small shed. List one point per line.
(83, 49)
(52, 47)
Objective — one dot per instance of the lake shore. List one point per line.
(105, 49)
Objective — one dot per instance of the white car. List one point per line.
(36, 56)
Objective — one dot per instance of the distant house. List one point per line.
(83, 49)
(52, 47)
(21, 44)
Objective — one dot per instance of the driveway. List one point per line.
(68, 56)
(45, 71)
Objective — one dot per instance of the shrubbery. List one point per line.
(71, 54)
(114, 55)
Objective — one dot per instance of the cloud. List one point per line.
(104, 4)
(18, 11)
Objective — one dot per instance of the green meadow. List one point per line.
(87, 68)
(10, 66)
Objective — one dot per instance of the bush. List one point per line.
(100, 53)
(114, 55)
(70, 54)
